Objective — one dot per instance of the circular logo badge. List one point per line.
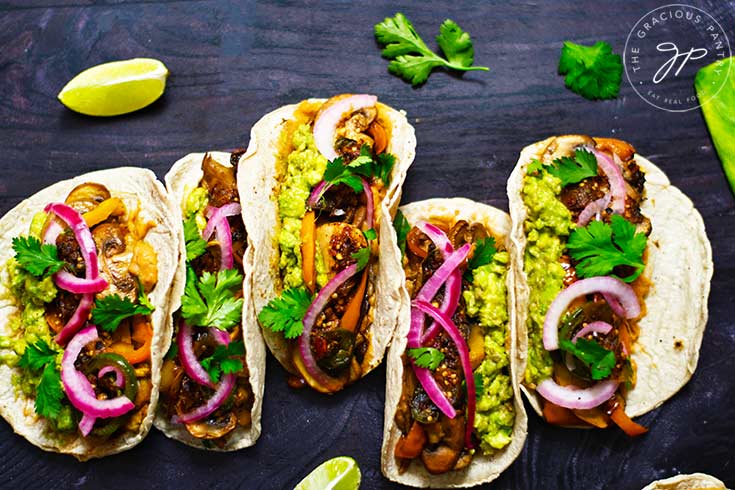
(664, 51)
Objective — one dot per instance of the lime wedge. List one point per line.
(115, 88)
(341, 473)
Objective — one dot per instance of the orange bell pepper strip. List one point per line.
(352, 313)
(143, 335)
(410, 445)
(556, 415)
(111, 206)
(624, 422)
(378, 133)
(308, 250)
(593, 416)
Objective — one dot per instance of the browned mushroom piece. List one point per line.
(114, 259)
(439, 459)
(87, 196)
(219, 181)
(564, 146)
(214, 427)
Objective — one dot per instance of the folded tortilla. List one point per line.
(695, 481)
(483, 468)
(679, 268)
(184, 176)
(133, 186)
(259, 186)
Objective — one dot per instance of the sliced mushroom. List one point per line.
(564, 146)
(214, 427)
(440, 459)
(87, 196)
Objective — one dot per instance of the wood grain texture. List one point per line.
(233, 61)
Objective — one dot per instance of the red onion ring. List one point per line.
(217, 223)
(464, 357)
(599, 327)
(79, 390)
(592, 209)
(315, 308)
(86, 424)
(78, 285)
(614, 176)
(192, 366)
(81, 232)
(577, 398)
(323, 186)
(81, 315)
(53, 230)
(369, 204)
(616, 288)
(327, 120)
(119, 376)
(224, 388)
(316, 193)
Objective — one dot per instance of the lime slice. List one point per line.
(115, 88)
(341, 473)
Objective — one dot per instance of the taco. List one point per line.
(323, 178)
(695, 481)
(213, 375)
(613, 270)
(87, 266)
(453, 413)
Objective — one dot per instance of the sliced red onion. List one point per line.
(323, 186)
(325, 125)
(78, 285)
(119, 376)
(593, 209)
(78, 388)
(615, 305)
(189, 361)
(599, 327)
(616, 288)
(81, 315)
(214, 215)
(369, 205)
(315, 308)
(464, 357)
(81, 232)
(317, 193)
(86, 424)
(221, 336)
(437, 236)
(224, 388)
(614, 176)
(577, 398)
(217, 223)
(53, 230)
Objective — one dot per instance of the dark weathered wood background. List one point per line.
(231, 62)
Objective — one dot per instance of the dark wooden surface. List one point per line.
(231, 62)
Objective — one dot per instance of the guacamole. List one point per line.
(547, 223)
(304, 168)
(486, 302)
(195, 204)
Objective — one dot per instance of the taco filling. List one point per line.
(584, 259)
(333, 172)
(457, 395)
(205, 383)
(81, 338)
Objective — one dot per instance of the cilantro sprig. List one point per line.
(40, 260)
(412, 59)
(223, 360)
(195, 244)
(601, 361)
(594, 72)
(573, 170)
(363, 166)
(400, 224)
(426, 357)
(484, 251)
(600, 247)
(40, 356)
(362, 256)
(210, 301)
(109, 311)
(286, 313)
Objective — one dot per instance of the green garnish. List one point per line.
(49, 394)
(370, 234)
(573, 170)
(412, 60)
(363, 166)
(426, 357)
(362, 256)
(221, 361)
(109, 311)
(400, 224)
(600, 247)
(594, 72)
(484, 251)
(286, 313)
(195, 244)
(210, 301)
(600, 360)
(40, 260)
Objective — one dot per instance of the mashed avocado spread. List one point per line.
(548, 221)
(304, 168)
(486, 302)
(195, 204)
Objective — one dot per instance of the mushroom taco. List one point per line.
(613, 270)
(694, 481)
(323, 179)
(213, 375)
(453, 414)
(87, 265)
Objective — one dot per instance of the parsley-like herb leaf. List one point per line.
(484, 251)
(365, 165)
(600, 360)
(210, 301)
(339, 173)
(600, 247)
(195, 244)
(362, 256)
(38, 259)
(573, 170)
(370, 234)
(286, 313)
(400, 224)
(534, 167)
(594, 72)
(221, 361)
(109, 311)
(426, 357)
(37, 355)
(49, 394)
(412, 60)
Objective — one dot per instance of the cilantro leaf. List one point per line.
(479, 386)
(286, 313)
(600, 360)
(412, 60)
(210, 301)
(362, 256)
(600, 247)
(594, 72)
(573, 170)
(400, 224)
(534, 166)
(222, 360)
(483, 253)
(109, 311)
(195, 244)
(426, 357)
(370, 234)
(37, 355)
(38, 259)
(362, 166)
(49, 393)
(384, 166)
(339, 173)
